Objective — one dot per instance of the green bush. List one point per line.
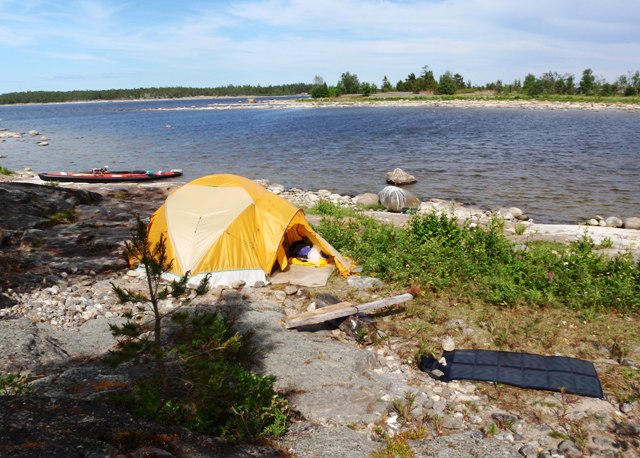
(440, 255)
(212, 390)
(199, 374)
(5, 171)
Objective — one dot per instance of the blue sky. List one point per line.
(86, 44)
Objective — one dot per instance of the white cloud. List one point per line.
(80, 57)
(279, 41)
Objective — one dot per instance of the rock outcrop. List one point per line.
(399, 177)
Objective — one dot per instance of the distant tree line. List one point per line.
(152, 93)
(449, 83)
(552, 83)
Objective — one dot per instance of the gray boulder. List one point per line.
(367, 199)
(28, 205)
(25, 347)
(632, 223)
(400, 177)
(614, 221)
(511, 213)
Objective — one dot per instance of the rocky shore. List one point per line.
(402, 99)
(409, 100)
(56, 302)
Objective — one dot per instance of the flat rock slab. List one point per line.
(333, 382)
(318, 441)
(28, 347)
(25, 347)
(621, 238)
(30, 205)
(464, 445)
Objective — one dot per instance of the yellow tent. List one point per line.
(234, 229)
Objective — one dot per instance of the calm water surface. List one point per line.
(558, 166)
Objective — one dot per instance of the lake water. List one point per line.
(558, 166)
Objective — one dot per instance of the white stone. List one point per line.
(400, 177)
(367, 199)
(516, 212)
(238, 284)
(632, 223)
(448, 344)
(614, 221)
(276, 188)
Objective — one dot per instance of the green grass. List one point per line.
(327, 208)
(5, 171)
(545, 297)
(482, 264)
(63, 217)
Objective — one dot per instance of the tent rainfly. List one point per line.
(234, 229)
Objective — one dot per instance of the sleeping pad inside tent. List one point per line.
(234, 229)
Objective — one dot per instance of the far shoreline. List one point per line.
(394, 99)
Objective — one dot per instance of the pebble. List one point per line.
(626, 407)
(569, 449)
(529, 450)
(448, 344)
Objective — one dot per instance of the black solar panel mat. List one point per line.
(554, 373)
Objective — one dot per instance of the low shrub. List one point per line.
(199, 371)
(438, 254)
(211, 390)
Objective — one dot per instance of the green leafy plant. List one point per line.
(200, 378)
(132, 341)
(14, 385)
(441, 255)
(606, 243)
(327, 208)
(403, 407)
(215, 393)
(492, 429)
(5, 171)
(372, 207)
(63, 217)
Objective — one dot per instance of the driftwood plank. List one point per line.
(340, 310)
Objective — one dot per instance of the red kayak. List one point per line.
(103, 175)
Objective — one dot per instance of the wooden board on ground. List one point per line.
(340, 310)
